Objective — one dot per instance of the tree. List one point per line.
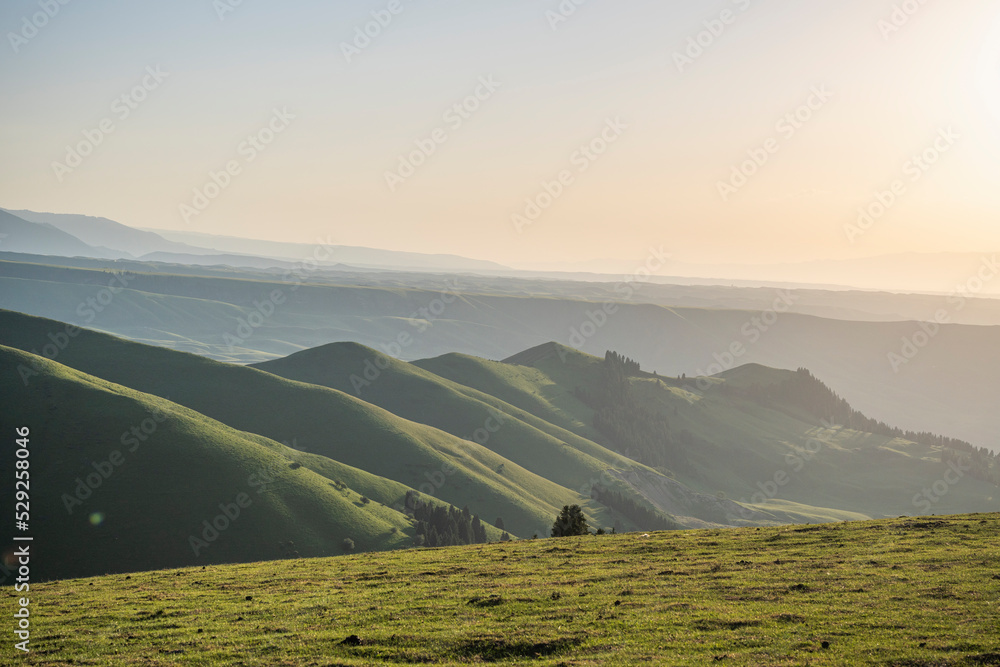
(570, 521)
(347, 545)
(446, 526)
(499, 523)
(478, 530)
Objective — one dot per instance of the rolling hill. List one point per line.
(124, 481)
(408, 424)
(316, 419)
(411, 392)
(730, 442)
(518, 439)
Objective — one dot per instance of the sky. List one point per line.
(746, 131)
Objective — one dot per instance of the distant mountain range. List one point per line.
(87, 236)
(350, 255)
(106, 233)
(933, 273)
(19, 235)
(978, 274)
(154, 458)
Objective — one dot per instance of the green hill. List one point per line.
(124, 481)
(317, 419)
(550, 427)
(406, 390)
(769, 454)
(539, 380)
(897, 592)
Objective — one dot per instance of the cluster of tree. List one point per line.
(643, 434)
(570, 521)
(983, 464)
(806, 392)
(439, 526)
(643, 517)
(629, 366)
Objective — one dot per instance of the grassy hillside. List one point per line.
(121, 481)
(739, 447)
(915, 592)
(406, 390)
(518, 382)
(781, 465)
(316, 419)
(817, 464)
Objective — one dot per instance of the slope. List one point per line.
(320, 420)
(769, 454)
(413, 393)
(123, 481)
(528, 382)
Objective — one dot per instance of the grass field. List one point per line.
(913, 592)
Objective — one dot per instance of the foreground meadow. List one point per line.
(908, 592)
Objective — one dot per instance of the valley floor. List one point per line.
(914, 592)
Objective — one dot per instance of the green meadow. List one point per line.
(913, 592)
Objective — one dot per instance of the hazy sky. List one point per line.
(672, 129)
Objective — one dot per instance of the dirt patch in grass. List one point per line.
(713, 624)
(493, 649)
(490, 601)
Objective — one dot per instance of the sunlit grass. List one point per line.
(902, 592)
